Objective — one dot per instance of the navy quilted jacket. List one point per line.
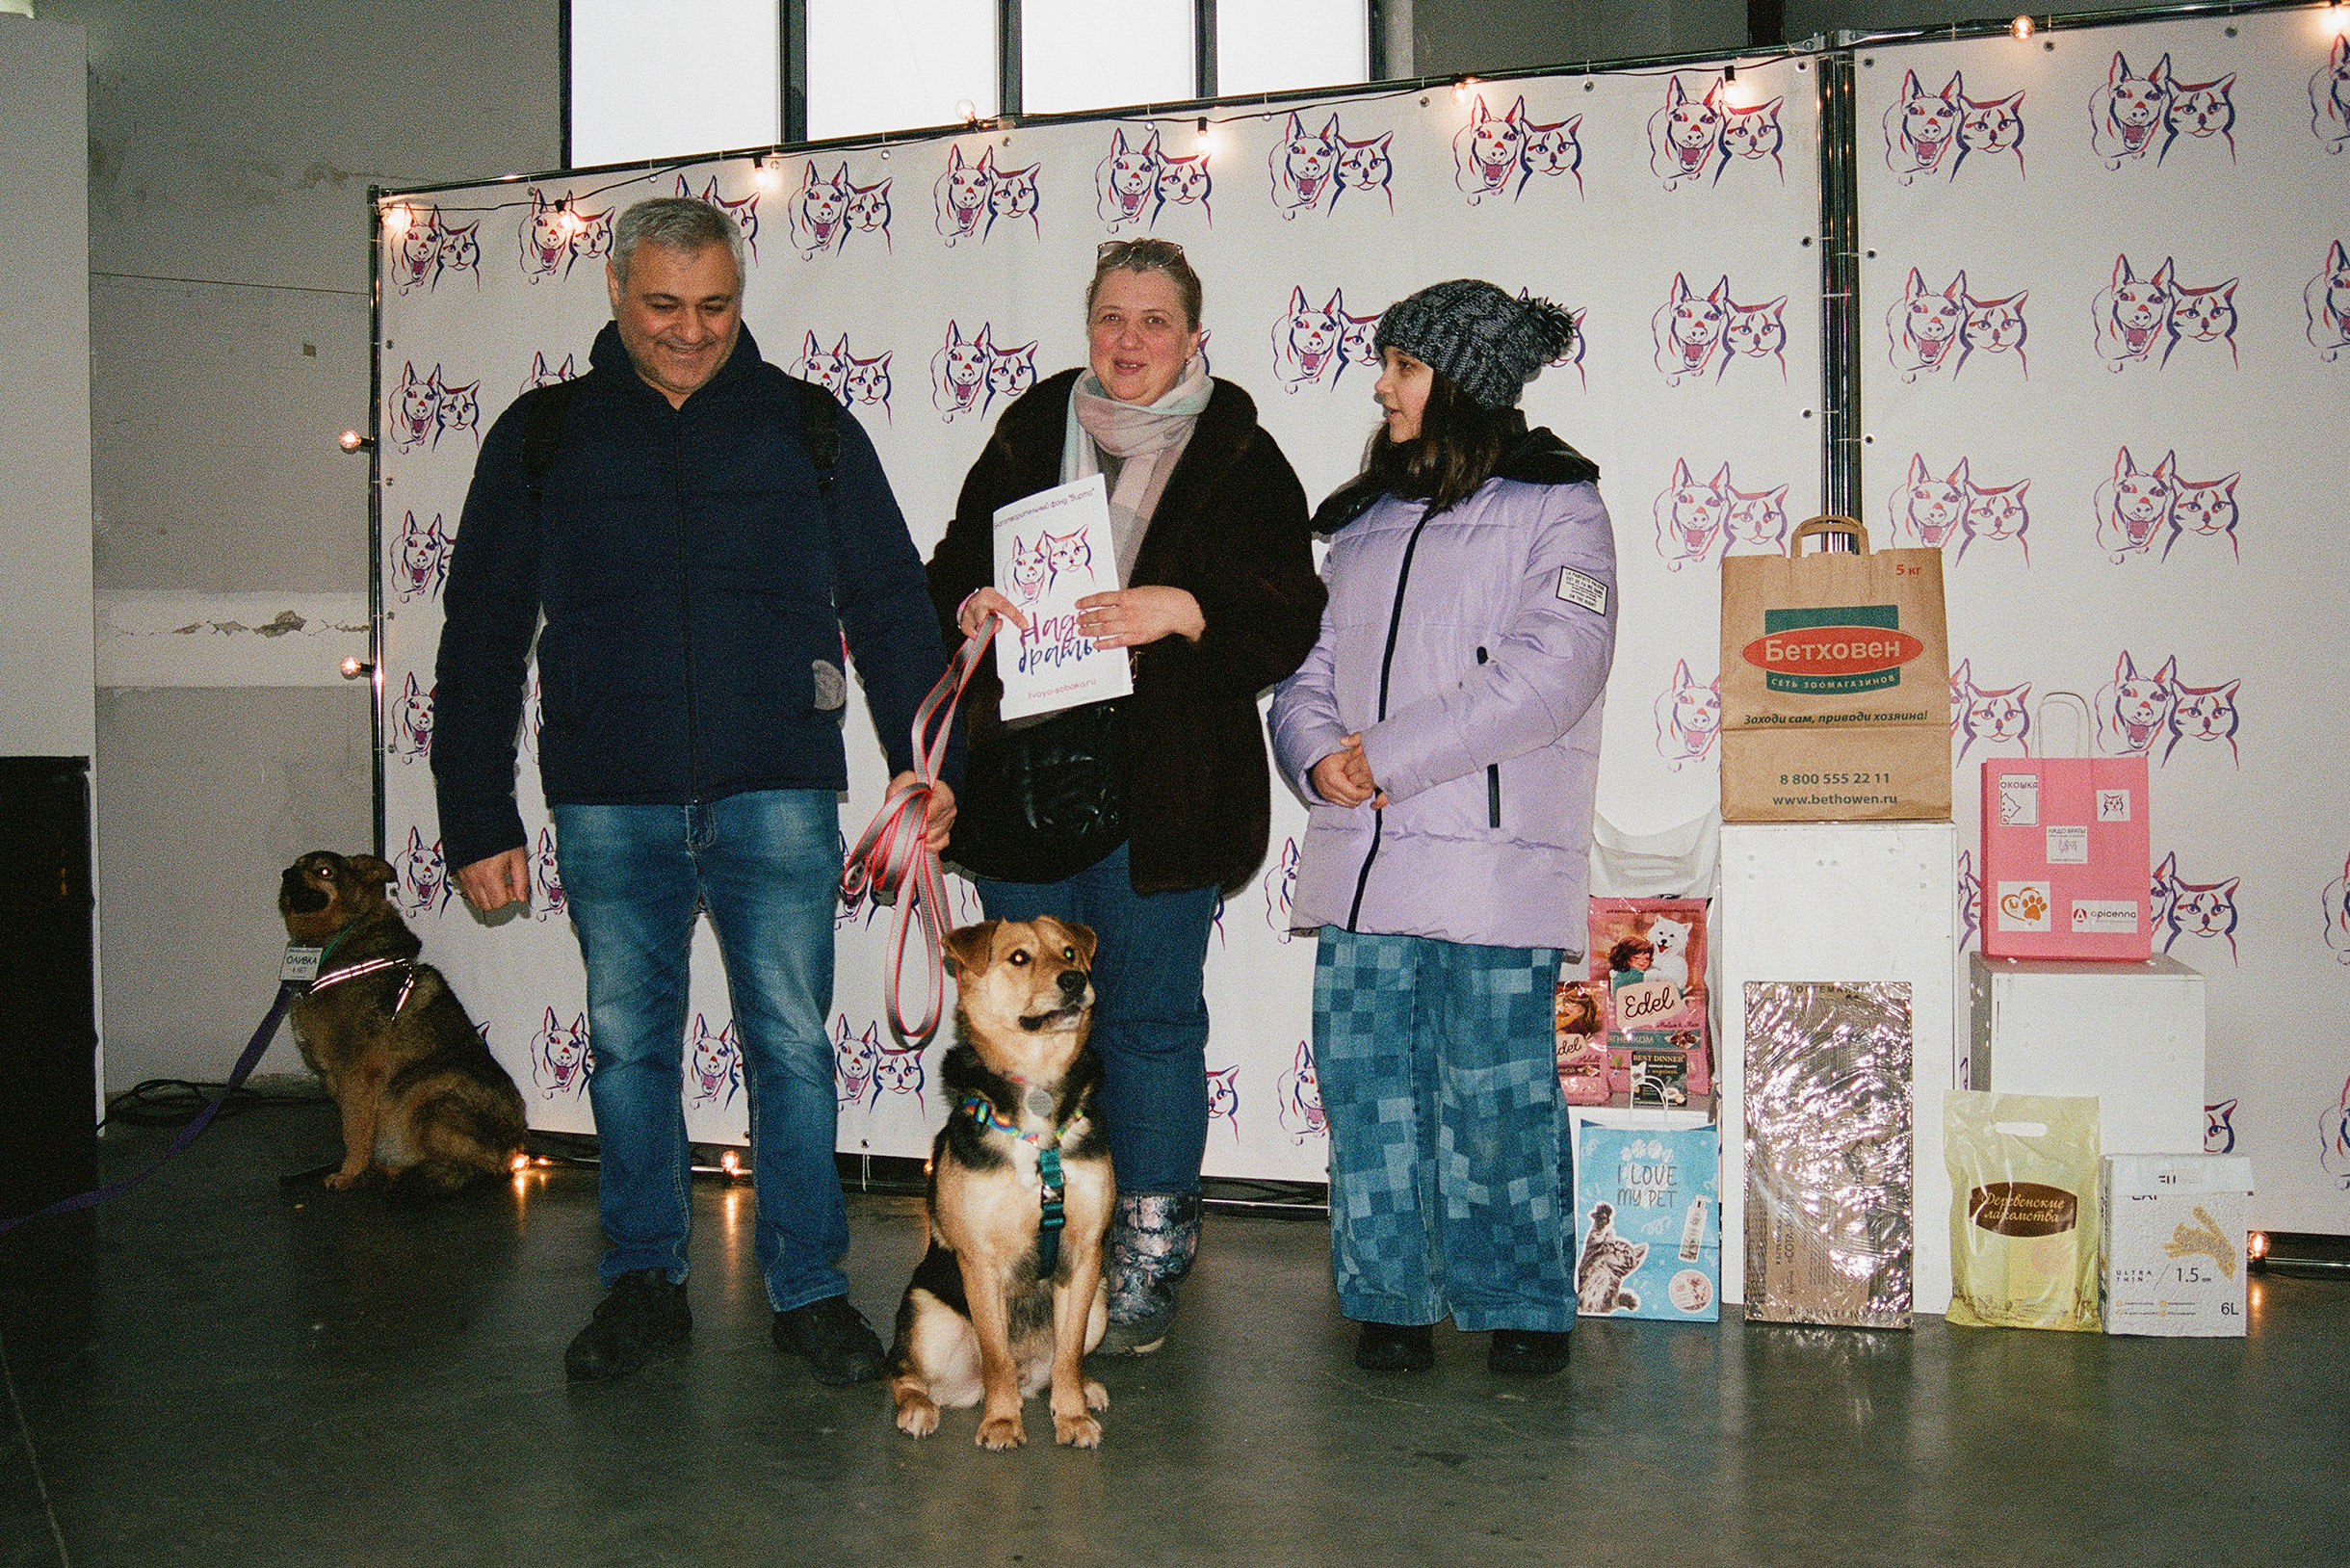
(694, 595)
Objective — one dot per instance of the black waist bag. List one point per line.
(1041, 801)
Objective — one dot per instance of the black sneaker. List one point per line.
(839, 1346)
(640, 1314)
(1528, 1352)
(1395, 1348)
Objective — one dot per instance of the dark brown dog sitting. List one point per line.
(424, 1103)
(1010, 1294)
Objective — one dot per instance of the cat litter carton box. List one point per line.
(1648, 1218)
(2173, 1258)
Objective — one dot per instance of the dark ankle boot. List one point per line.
(1395, 1348)
(1152, 1242)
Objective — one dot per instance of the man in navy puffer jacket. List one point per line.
(695, 572)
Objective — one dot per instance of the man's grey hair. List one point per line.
(681, 224)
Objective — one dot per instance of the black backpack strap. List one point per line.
(542, 434)
(819, 430)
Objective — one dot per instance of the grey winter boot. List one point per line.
(1152, 1242)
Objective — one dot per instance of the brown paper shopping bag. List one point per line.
(1836, 682)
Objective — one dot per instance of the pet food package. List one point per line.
(1580, 1013)
(1828, 1138)
(1836, 682)
(1647, 958)
(1648, 1222)
(2172, 1262)
(1661, 1068)
(2023, 1210)
(2065, 854)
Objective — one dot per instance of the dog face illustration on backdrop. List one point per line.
(1992, 328)
(2134, 506)
(408, 717)
(2126, 115)
(818, 213)
(1751, 136)
(2205, 511)
(714, 1064)
(1489, 152)
(1304, 167)
(1280, 887)
(547, 880)
(745, 212)
(1126, 182)
(2327, 300)
(1998, 717)
(1691, 515)
(561, 1059)
(1926, 509)
(1990, 132)
(958, 371)
(1921, 128)
(1926, 325)
(555, 233)
(2132, 314)
(1996, 514)
(415, 259)
(827, 367)
(854, 1057)
(420, 565)
(961, 195)
(541, 374)
(413, 409)
(2133, 710)
(2200, 111)
(423, 877)
(1688, 330)
(2330, 97)
(1685, 135)
(1306, 341)
(1301, 1102)
(1688, 718)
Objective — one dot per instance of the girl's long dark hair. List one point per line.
(1459, 445)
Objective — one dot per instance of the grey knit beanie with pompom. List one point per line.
(1482, 340)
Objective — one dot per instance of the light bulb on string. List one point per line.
(2023, 28)
(1204, 141)
(968, 113)
(1462, 89)
(397, 218)
(566, 219)
(765, 175)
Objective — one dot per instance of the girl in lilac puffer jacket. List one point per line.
(1445, 736)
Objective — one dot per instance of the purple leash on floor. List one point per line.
(287, 991)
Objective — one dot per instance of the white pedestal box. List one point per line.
(2130, 1033)
(1845, 902)
(2172, 1259)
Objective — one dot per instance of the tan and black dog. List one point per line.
(1006, 1300)
(424, 1103)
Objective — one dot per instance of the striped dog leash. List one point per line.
(892, 863)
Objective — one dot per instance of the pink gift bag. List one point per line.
(2065, 854)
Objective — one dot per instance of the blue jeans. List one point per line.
(767, 866)
(1150, 1012)
(1452, 1182)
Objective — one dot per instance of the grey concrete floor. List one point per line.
(223, 1372)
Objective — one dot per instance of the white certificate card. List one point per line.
(1052, 549)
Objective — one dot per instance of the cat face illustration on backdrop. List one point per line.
(1751, 136)
(459, 408)
(1304, 167)
(1224, 1098)
(1922, 127)
(1688, 330)
(1757, 332)
(865, 382)
(2334, 903)
(2127, 114)
(899, 1071)
(409, 717)
(2219, 1130)
(1990, 132)
(560, 1058)
(1301, 1102)
(714, 1064)
(961, 195)
(818, 213)
(1926, 325)
(1688, 718)
(2132, 314)
(2133, 710)
(1365, 167)
(1999, 719)
(2134, 506)
(869, 211)
(2201, 316)
(1551, 151)
(547, 878)
(1011, 372)
(854, 1057)
(1607, 1262)
(1280, 887)
(745, 212)
(1183, 182)
(2203, 911)
(1754, 521)
(2199, 111)
(423, 877)
(1991, 327)
(421, 563)
(1685, 135)
(2203, 712)
(1357, 345)
(2330, 97)
(1996, 514)
(2327, 300)
(1691, 515)
(2204, 511)
(460, 251)
(1012, 198)
(1927, 509)
(1969, 912)
(1126, 182)
(1306, 341)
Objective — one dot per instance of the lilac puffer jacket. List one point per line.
(1471, 651)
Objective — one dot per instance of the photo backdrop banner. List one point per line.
(927, 282)
(2105, 326)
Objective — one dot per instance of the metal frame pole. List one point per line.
(375, 499)
(1840, 281)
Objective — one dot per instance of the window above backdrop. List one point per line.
(866, 67)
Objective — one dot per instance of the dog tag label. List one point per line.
(1039, 1103)
(302, 964)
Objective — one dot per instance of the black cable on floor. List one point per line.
(173, 1101)
(32, 1458)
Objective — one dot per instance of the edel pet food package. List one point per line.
(1647, 958)
(1836, 682)
(1828, 1228)
(2066, 853)
(2023, 1210)
(2173, 1259)
(1580, 1014)
(1648, 1221)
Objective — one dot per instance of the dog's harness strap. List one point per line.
(1050, 1186)
(373, 966)
(893, 864)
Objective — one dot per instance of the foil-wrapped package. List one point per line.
(1828, 1140)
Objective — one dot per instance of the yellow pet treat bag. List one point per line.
(2023, 1210)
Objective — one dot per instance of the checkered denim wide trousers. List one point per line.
(1450, 1184)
